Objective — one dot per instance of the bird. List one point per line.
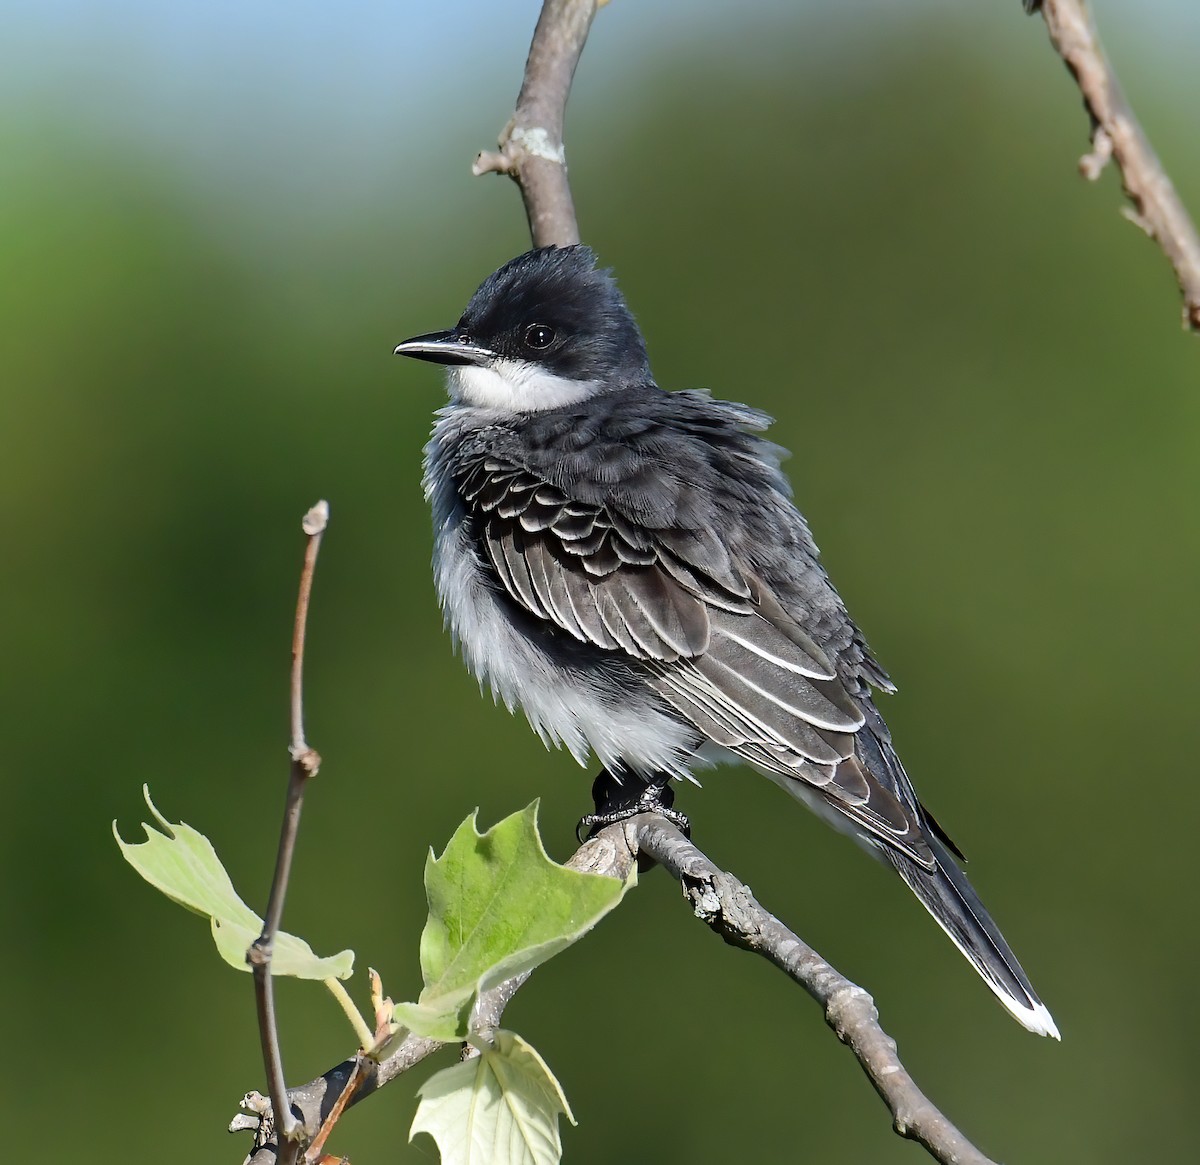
(626, 565)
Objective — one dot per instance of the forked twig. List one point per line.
(1116, 134)
(531, 147)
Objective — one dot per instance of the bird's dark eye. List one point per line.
(539, 336)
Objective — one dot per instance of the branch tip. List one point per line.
(491, 162)
(308, 759)
(1092, 164)
(316, 519)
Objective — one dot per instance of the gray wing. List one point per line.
(599, 577)
(713, 640)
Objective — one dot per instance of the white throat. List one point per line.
(514, 386)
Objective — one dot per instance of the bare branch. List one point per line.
(726, 905)
(1116, 133)
(305, 763)
(531, 145)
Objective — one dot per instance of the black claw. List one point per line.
(619, 797)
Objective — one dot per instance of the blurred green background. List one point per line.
(868, 223)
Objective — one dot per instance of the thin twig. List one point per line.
(314, 524)
(1157, 208)
(531, 146)
(305, 763)
(358, 1075)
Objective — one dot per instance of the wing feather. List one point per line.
(776, 648)
(604, 559)
(495, 548)
(551, 586)
(677, 620)
(705, 589)
(582, 596)
(510, 542)
(774, 721)
(710, 716)
(571, 527)
(727, 660)
(614, 621)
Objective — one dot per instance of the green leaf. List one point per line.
(498, 906)
(182, 863)
(500, 1108)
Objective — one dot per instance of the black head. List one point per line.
(549, 324)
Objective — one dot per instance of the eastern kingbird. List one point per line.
(626, 565)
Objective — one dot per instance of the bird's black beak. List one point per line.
(444, 348)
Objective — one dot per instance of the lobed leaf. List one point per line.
(498, 906)
(500, 1108)
(181, 862)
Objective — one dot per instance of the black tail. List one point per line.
(947, 895)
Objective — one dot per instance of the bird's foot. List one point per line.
(618, 798)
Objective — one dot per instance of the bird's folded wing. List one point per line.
(600, 577)
(748, 694)
(717, 644)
